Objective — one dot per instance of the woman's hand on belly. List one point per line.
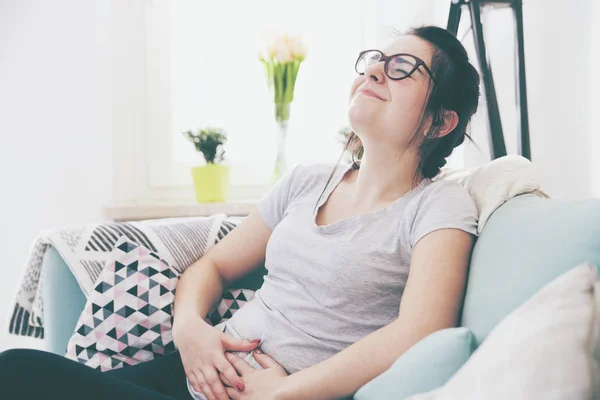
(264, 384)
(202, 349)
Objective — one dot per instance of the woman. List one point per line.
(329, 316)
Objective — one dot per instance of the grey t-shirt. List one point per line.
(329, 286)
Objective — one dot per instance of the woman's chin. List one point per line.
(359, 115)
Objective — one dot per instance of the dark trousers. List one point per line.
(33, 374)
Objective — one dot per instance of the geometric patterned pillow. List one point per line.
(127, 318)
(231, 301)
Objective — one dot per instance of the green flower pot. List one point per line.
(211, 182)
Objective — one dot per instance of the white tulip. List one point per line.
(267, 45)
(283, 47)
(267, 51)
(283, 51)
(299, 49)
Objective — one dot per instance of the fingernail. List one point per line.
(255, 341)
(239, 387)
(258, 351)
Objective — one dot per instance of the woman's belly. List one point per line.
(290, 346)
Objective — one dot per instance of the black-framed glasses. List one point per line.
(397, 66)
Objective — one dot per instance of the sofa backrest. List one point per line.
(526, 243)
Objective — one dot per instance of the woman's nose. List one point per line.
(375, 71)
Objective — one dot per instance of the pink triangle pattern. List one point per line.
(108, 351)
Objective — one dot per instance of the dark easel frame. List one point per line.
(497, 144)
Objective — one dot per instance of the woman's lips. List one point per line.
(369, 93)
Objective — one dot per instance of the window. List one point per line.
(180, 65)
(203, 69)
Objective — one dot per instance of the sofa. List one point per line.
(526, 243)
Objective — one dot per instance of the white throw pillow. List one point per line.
(494, 183)
(542, 350)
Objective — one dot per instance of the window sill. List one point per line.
(142, 212)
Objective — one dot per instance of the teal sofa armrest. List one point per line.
(425, 366)
(526, 243)
(63, 302)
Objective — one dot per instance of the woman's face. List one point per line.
(392, 110)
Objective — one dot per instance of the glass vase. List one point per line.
(282, 114)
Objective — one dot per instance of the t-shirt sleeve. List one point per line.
(445, 204)
(273, 204)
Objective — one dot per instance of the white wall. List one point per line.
(558, 50)
(55, 126)
(594, 99)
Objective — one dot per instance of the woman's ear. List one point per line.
(450, 122)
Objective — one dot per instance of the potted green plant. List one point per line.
(212, 179)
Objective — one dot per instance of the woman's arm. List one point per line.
(202, 347)
(240, 252)
(431, 301)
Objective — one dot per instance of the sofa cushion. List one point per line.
(127, 318)
(542, 350)
(527, 243)
(425, 366)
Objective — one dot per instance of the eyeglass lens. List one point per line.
(398, 67)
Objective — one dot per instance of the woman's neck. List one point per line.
(383, 179)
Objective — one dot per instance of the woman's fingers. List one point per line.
(241, 366)
(232, 393)
(206, 391)
(194, 381)
(231, 343)
(265, 360)
(228, 371)
(200, 385)
(225, 381)
(215, 384)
